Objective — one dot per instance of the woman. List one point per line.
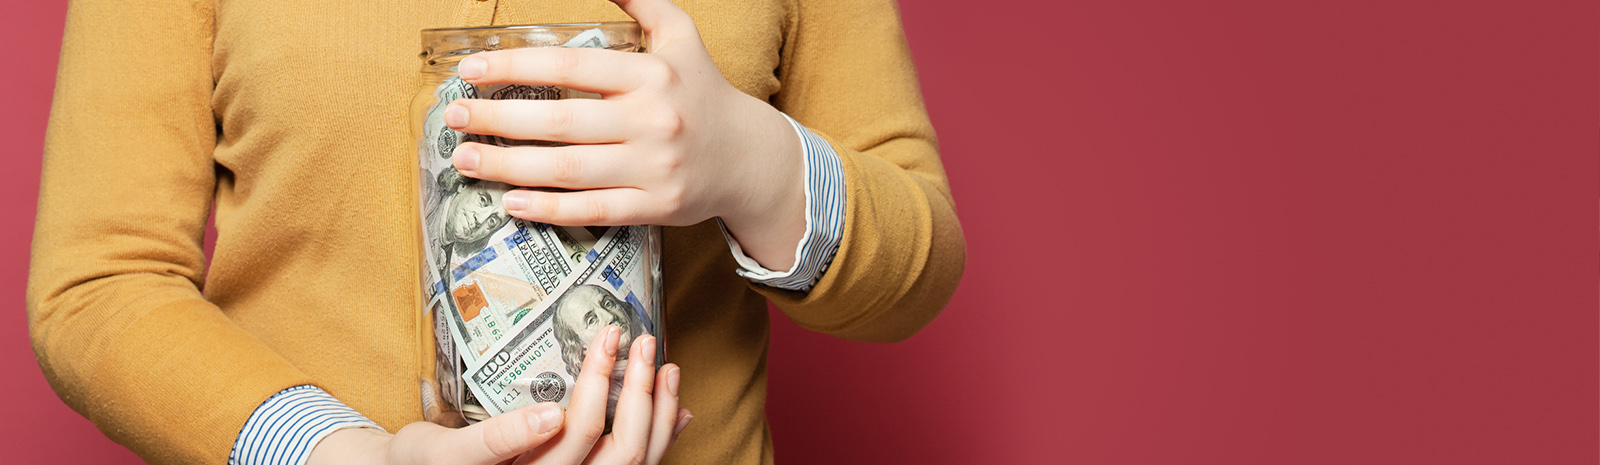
(308, 323)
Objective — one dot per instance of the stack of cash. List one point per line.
(515, 304)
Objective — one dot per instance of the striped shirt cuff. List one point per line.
(825, 203)
(284, 429)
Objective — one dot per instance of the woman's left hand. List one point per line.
(669, 143)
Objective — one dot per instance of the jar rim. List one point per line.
(524, 27)
(439, 45)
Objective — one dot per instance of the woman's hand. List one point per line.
(670, 142)
(648, 420)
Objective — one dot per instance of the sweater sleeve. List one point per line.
(115, 313)
(847, 75)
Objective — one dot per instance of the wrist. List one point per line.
(770, 236)
(768, 216)
(351, 446)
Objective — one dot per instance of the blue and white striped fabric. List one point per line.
(283, 429)
(825, 204)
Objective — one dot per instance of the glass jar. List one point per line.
(513, 304)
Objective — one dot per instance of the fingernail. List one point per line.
(515, 200)
(682, 423)
(546, 416)
(456, 116)
(612, 340)
(647, 349)
(466, 158)
(472, 68)
(672, 381)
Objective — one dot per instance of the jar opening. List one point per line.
(446, 30)
(442, 47)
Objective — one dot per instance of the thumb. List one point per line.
(662, 21)
(505, 436)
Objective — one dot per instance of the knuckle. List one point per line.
(594, 378)
(593, 431)
(596, 211)
(669, 162)
(560, 121)
(565, 62)
(668, 122)
(500, 440)
(672, 199)
(435, 455)
(670, 207)
(568, 168)
(659, 72)
(638, 457)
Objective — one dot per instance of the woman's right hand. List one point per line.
(648, 421)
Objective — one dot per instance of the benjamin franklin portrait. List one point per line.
(579, 316)
(472, 213)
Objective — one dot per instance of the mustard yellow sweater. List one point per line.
(290, 118)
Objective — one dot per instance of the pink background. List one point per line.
(1242, 232)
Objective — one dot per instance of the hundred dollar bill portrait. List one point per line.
(581, 313)
(472, 214)
(579, 316)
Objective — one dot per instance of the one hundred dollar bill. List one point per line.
(540, 362)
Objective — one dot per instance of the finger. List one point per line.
(570, 167)
(666, 415)
(574, 121)
(662, 21)
(598, 458)
(586, 412)
(601, 71)
(630, 430)
(597, 207)
(501, 437)
(684, 416)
